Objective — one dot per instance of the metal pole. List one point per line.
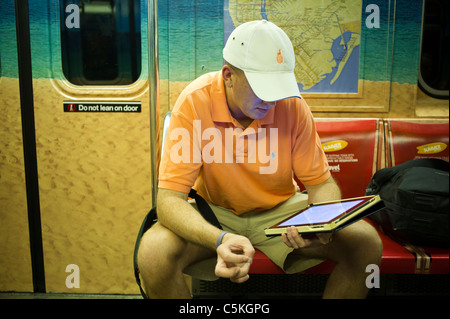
(29, 143)
(153, 78)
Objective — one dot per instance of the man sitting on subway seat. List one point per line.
(237, 136)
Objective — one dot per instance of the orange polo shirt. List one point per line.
(236, 168)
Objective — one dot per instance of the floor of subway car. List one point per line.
(32, 295)
(282, 287)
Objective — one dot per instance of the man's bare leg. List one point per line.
(352, 248)
(162, 257)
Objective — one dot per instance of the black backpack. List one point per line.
(415, 194)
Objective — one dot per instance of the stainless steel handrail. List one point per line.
(153, 78)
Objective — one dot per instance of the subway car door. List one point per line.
(15, 257)
(91, 110)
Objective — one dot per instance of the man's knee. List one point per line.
(375, 245)
(163, 252)
(369, 242)
(159, 248)
(360, 242)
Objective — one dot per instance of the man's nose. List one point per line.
(270, 104)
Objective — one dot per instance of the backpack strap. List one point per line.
(385, 174)
(205, 209)
(148, 221)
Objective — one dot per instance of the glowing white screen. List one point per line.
(320, 214)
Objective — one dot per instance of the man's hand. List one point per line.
(234, 257)
(295, 240)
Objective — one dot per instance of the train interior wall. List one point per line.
(94, 168)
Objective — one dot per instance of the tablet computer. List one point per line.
(328, 216)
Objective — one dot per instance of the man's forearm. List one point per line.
(326, 191)
(176, 214)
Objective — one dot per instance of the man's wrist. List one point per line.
(220, 238)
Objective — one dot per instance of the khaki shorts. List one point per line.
(252, 225)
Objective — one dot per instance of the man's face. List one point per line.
(242, 101)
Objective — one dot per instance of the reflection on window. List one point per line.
(101, 41)
(434, 66)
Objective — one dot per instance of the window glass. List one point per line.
(101, 41)
(434, 64)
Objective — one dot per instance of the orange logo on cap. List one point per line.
(279, 57)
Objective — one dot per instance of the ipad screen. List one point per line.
(321, 214)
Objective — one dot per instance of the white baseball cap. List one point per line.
(265, 54)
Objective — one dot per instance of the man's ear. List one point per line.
(226, 75)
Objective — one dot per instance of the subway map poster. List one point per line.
(325, 34)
